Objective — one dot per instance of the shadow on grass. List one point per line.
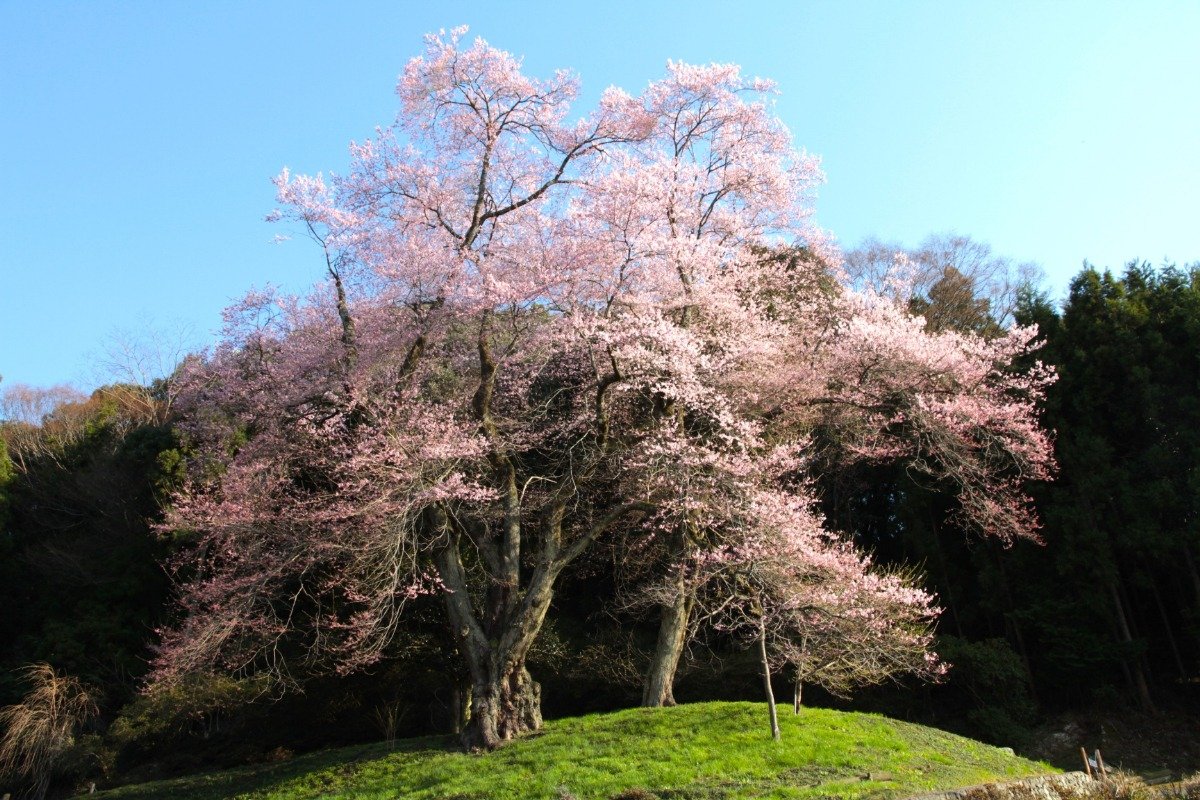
(261, 777)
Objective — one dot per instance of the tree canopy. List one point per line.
(536, 333)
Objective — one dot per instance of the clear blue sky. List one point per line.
(137, 140)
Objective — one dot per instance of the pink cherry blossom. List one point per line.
(534, 332)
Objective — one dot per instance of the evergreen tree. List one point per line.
(1114, 613)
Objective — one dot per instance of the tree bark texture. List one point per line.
(495, 639)
(503, 706)
(505, 700)
(659, 686)
(766, 668)
(674, 619)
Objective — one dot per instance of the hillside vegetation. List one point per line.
(704, 751)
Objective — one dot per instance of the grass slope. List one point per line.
(703, 751)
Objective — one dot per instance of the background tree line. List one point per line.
(1103, 613)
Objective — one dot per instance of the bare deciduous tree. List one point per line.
(911, 273)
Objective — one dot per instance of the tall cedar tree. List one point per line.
(1115, 599)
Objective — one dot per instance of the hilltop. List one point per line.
(702, 751)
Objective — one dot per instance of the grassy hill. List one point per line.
(704, 751)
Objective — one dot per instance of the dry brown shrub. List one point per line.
(1188, 788)
(40, 730)
(1118, 785)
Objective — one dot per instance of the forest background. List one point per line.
(1101, 617)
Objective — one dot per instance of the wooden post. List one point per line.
(1087, 765)
(1100, 764)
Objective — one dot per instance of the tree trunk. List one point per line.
(1192, 572)
(1011, 625)
(1137, 674)
(1166, 621)
(766, 667)
(460, 705)
(659, 686)
(798, 687)
(503, 707)
(1135, 623)
(505, 700)
(658, 689)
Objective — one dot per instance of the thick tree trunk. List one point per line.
(766, 668)
(502, 708)
(675, 615)
(505, 700)
(496, 624)
(798, 695)
(658, 689)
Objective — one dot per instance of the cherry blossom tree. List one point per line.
(857, 378)
(534, 333)
(806, 598)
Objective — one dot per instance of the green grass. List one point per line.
(704, 751)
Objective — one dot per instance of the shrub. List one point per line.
(988, 686)
(40, 731)
(180, 716)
